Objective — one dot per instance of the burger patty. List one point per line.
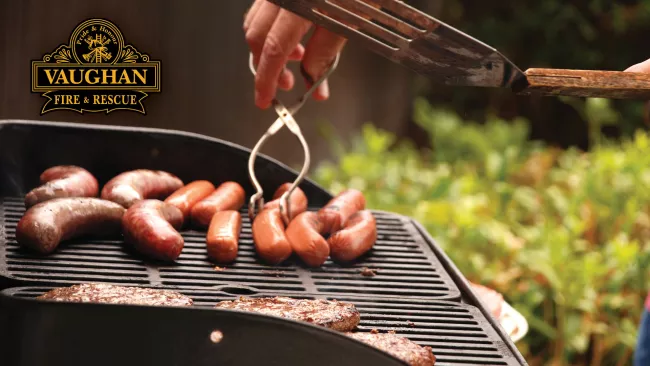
(110, 294)
(335, 315)
(400, 347)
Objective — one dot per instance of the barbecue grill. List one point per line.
(416, 292)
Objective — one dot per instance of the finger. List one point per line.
(322, 92)
(298, 53)
(640, 67)
(250, 14)
(321, 51)
(287, 80)
(260, 26)
(285, 34)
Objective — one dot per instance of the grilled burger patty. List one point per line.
(335, 315)
(400, 347)
(110, 294)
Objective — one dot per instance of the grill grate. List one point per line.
(404, 263)
(458, 334)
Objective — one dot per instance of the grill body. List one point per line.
(417, 291)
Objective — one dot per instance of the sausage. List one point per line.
(228, 196)
(336, 212)
(223, 236)
(48, 223)
(151, 227)
(297, 200)
(136, 185)
(355, 239)
(186, 197)
(305, 235)
(63, 181)
(271, 242)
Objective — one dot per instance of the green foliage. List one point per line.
(563, 234)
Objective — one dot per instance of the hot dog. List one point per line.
(63, 181)
(228, 196)
(136, 185)
(355, 239)
(186, 197)
(297, 200)
(336, 212)
(305, 235)
(271, 242)
(223, 236)
(151, 227)
(48, 223)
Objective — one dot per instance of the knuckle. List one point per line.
(255, 42)
(273, 48)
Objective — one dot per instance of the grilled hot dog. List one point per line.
(63, 181)
(336, 212)
(355, 239)
(151, 227)
(353, 230)
(48, 223)
(228, 196)
(186, 197)
(297, 200)
(305, 235)
(271, 242)
(136, 185)
(223, 236)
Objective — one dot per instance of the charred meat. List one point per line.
(335, 315)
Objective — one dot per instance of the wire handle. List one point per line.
(285, 118)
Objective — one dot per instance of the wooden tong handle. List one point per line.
(586, 83)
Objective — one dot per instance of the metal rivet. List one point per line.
(216, 336)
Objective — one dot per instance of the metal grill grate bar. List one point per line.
(404, 264)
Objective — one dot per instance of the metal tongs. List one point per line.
(285, 118)
(414, 39)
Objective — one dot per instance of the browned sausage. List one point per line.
(186, 197)
(151, 227)
(355, 239)
(130, 187)
(63, 181)
(48, 223)
(304, 234)
(337, 211)
(228, 196)
(297, 200)
(223, 236)
(271, 242)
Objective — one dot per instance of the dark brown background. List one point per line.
(206, 84)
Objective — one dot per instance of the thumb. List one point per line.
(640, 67)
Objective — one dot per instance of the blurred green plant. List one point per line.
(563, 234)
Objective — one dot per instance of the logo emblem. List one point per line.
(96, 72)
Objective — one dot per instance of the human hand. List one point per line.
(640, 67)
(273, 35)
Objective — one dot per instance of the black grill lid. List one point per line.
(28, 148)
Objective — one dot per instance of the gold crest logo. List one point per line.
(95, 72)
